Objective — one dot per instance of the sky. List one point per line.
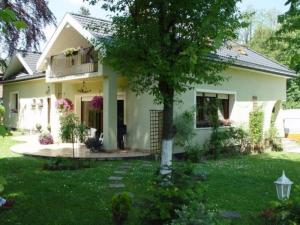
(60, 7)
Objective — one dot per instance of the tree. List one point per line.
(84, 11)
(164, 48)
(21, 23)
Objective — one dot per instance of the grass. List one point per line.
(63, 197)
(243, 184)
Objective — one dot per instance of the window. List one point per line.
(204, 105)
(14, 102)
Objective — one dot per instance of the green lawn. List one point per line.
(244, 184)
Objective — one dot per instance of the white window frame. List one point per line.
(213, 91)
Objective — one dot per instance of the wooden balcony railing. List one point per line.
(74, 62)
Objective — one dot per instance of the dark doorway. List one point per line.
(121, 129)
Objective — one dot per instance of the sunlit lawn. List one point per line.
(243, 184)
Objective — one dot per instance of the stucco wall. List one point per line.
(242, 84)
(27, 117)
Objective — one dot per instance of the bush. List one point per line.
(81, 132)
(184, 125)
(229, 141)
(121, 205)
(283, 213)
(194, 152)
(45, 138)
(169, 193)
(4, 131)
(2, 112)
(256, 123)
(60, 163)
(272, 137)
(195, 214)
(68, 125)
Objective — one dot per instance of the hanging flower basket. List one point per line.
(97, 102)
(64, 105)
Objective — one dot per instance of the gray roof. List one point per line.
(31, 58)
(246, 58)
(96, 26)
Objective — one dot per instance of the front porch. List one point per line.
(31, 147)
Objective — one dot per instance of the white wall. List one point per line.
(242, 85)
(27, 117)
(291, 118)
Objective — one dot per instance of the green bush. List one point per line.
(68, 124)
(2, 112)
(228, 141)
(4, 131)
(285, 212)
(272, 137)
(184, 124)
(194, 152)
(169, 193)
(256, 123)
(195, 214)
(121, 205)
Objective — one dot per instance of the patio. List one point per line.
(31, 147)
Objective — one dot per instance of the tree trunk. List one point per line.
(167, 133)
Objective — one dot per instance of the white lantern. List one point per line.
(283, 187)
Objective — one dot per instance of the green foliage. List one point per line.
(195, 214)
(185, 131)
(60, 163)
(256, 124)
(228, 141)
(2, 184)
(285, 212)
(2, 112)
(194, 152)
(81, 132)
(273, 138)
(68, 125)
(4, 131)
(169, 193)
(121, 205)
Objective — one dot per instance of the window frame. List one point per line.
(16, 107)
(232, 99)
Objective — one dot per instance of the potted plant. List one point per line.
(38, 127)
(64, 105)
(41, 104)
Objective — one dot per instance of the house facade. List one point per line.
(69, 68)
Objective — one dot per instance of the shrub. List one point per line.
(272, 137)
(121, 205)
(45, 138)
(184, 124)
(256, 123)
(2, 112)
(194, 152)
(168, 194)
(60, 163)
(284, 212)
(195, 214)
(81, 132)
(229, 141)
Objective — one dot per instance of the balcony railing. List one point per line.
(74, 62)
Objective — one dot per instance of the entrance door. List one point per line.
(90, 117)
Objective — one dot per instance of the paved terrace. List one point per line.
(32, 147)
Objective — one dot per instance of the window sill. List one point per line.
(210, 128)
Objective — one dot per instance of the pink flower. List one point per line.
(64, 105)
(97, 102)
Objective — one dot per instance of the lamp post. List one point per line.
(283, 187)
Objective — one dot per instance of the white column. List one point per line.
(109, 109)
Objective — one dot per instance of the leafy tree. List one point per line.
(164, 46)
(84, 11)
(21, 23)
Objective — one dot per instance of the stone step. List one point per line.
(120, 172)
(117, 185)
(115, 178)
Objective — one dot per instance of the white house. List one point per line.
(33, 82)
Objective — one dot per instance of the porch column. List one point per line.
(110, 109)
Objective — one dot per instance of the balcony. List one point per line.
(74, 62)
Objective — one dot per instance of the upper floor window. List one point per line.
(205, 102)
(14, 102)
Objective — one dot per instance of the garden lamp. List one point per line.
(283, 187)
